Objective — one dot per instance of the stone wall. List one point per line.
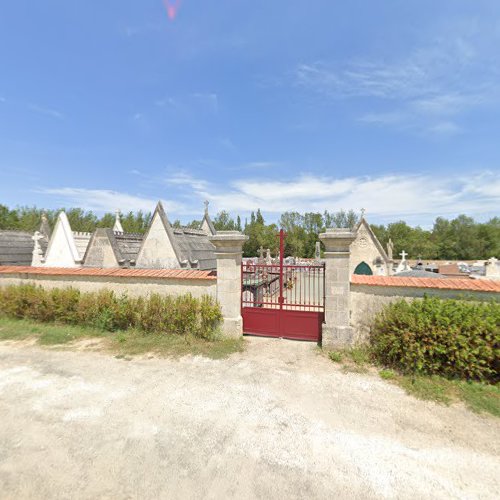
(368, 300)
(132, 282)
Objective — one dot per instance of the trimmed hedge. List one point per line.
(106, 311)
(452, 338)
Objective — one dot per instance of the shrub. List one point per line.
(210, 318)
(456, 339)
(154, 314)
(105, 310)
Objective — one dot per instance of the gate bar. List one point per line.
(281, 299)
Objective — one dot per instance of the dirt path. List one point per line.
(277, 421)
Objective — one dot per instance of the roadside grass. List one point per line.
(134, 343)
(121, 343)
(477, 396)
(45, 333)
(355, 360)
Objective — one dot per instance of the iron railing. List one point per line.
(289, 287)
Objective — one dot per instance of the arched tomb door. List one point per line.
(363, 268)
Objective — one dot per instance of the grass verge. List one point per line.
(355, 360)
(121, 343)
(477, 396)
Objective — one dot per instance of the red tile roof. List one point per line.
(473, 285)
(178, 274)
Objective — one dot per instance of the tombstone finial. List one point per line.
(37, 254)
(206, 203)
(363, 211)
(44, 226)
(117, 228)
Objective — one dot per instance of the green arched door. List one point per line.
(363, 268)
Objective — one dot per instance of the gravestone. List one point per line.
(403, 265)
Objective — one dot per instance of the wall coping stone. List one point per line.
(176, 274)
(467, 284)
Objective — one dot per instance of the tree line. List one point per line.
(28, 219)
(455, 239)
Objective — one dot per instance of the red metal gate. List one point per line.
(279, 300)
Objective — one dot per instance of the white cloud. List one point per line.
(103, 200)
(416, 197)
(486, 184)
(445, 104)
(227, 143)
(421, 90)
(209, 100)
(429, 71)
(389, 118)
(255, 166)
(46, 111)
(419, 199)
(183, 179)
(445, 128)
(167, 101)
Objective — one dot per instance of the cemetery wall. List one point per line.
(133, 282)
(369, 295)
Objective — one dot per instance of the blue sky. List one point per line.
(388, 105)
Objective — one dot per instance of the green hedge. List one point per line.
(105, 310)
(452, 338)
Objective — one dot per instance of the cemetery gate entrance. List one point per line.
(283, 300)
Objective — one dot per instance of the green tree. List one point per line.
(224, 222)
(107, 220)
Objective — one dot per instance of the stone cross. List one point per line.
(403, 265)
(390, 249)
(317, 253)
(37, 259)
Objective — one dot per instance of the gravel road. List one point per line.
(277, 421)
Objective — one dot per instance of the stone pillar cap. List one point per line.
(337, 233)
(337, 240)
(228, 241)
(232, 236)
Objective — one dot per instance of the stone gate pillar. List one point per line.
(337, 332)
(228, 252)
